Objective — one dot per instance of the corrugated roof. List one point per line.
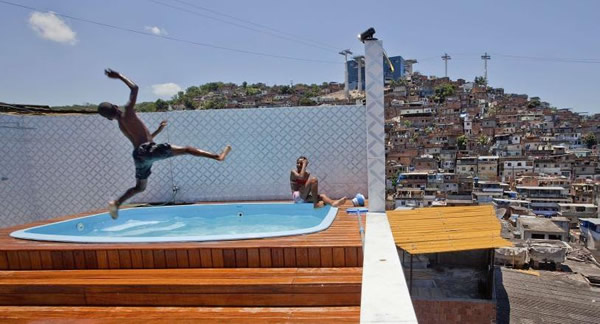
(446, 229)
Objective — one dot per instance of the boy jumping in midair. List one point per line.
(145, 151)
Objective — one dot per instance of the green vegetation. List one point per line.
(481, 81)
(306, 101)
(217, 95)
(590, 140)
(534, 102)
(285, 90)
(145, 107)
(483, 140)
(443, 91)
(461, 141)
(84, 107)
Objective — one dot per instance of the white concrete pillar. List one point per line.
(375, 120)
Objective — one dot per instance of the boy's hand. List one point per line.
(163, 123)
(111, 74)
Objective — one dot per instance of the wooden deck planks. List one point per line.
(236, 315)
(183, 287)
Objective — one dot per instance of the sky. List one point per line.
(54, 52)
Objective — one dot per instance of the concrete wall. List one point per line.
(59, 165)
(478, 259)
(455, 311)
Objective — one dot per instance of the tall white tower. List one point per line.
(360, 61)
(446, 57)
(345, 53)
(485, 57)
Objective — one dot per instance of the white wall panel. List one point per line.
(63, 165)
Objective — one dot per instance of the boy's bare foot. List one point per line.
(339, 202)
(319, 204)
(113, 209)
(223, 154)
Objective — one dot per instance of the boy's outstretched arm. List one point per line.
(132, 86)
(162, 126)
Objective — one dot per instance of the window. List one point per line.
(519, 164)
(580, 209)
(538, 236)
(554, 237)
(509, 164)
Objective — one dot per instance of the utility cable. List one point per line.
(273, 34)
(174, 38)
(259, 25)
(549, 59)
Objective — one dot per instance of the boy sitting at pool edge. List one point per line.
(306, 188)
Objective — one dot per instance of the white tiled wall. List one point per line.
(56, 166)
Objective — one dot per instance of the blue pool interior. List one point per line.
(206, 222)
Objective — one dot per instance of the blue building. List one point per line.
(397, 62)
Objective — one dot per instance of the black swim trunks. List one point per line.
(146, 154)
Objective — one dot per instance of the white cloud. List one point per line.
(49, 26)
(156, 30)
(166, 89)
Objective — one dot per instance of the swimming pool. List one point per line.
(206, 222)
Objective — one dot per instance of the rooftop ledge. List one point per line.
(385, 296)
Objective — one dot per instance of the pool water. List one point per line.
(207, 222)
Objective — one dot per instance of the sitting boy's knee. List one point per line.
(314, 180)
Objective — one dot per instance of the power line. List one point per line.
(464, 56)
(550, 59)
(173, 38)
(240, 26)
(300, 38)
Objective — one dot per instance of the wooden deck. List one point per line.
(167, 315)
(274, 287)
(338, 246)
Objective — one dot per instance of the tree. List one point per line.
(213, 104)
(407, 123)
(211, 86)
(244, 84)
(481, 81)
(285, 90)
(189, 103)
(161, 105)
(590, 140)
(306, 101)
(534, 102)
(461, 141)
(251, 91)
(483, 140)
(443, 91)
(145, 107)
